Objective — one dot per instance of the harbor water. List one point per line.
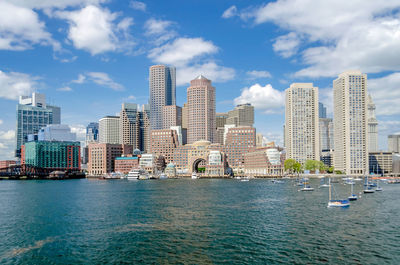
(203, 221)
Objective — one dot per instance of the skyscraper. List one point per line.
(92, 132)
(32, 115)
(144, 128)
(162, 84)
(201, 114)
(172, 116)
(241, 115)
(394, 143)
(372, 126)
(321, 110)
(326, 134)
(350, 123)
(302, 122)
(128, 125)
(185, 114)
(109, 130)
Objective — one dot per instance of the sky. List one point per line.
(89, 56)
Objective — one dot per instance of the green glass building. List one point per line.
(57, 155)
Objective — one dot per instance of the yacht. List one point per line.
(194, 175)
(134, 174)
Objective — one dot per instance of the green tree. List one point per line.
(297, 167)
(289, 165)
(311, 165)
(331, 170)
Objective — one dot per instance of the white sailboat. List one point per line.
(336, 203)
(352, 197)
(367, 186)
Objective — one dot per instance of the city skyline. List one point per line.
(99, 78)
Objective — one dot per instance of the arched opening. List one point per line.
(199, 165)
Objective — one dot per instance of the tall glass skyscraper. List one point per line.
(32, 115)
(322, 110)
(92, 132)
(162, 84)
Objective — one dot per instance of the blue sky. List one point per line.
(89, 56)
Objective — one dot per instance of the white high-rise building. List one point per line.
(302, 122)
(109, 130)
(129, 125)
(372, 126)
(394, 143)
(350, 123)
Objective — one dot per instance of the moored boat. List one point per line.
(336, 203)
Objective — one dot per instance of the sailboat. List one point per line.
(306, 186)
(336, 203)
(368, 188)
(352, 197)
(323, 183)
(378, 187)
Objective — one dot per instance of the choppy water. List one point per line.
(193, 222)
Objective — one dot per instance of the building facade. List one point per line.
(201, 114)
(394, 143)
(264, 161)
(381, 163)
(350, 123)
(129, 125)
(92, 133)
(103, 155)
(372, 126)
(241, 115)
(32, 114)
(321, 110)
(162, 84)
(172, 116)
(163, 143)
(326, 141)
(302, 122)
(109, 130)
(55, 155)
(239, 141)
(56, 132)
(126, 164)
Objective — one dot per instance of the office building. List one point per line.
(372, 126)
(128, 125)
(321, 110)
(241, 115)
(56, 132)
(109, 130)
(239, 141)
(181, 133)
(7, 163)
(381, 163)
(52, 155)
(259, 140)
(172, 116)
(350, 123)
(394, 143)
(102, 157)
(302, 122)
(163, 143)
(144, 128)
(220, 119)
(32, 114)
(125, 164)
(201, 115)
(92, 132)
(326, 134)
(264, 161)
(162, 82)
(185, 116)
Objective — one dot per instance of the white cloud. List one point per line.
(94, 29)
(385, 92)
(138, 5)
(15, 84)
(103, 79)
(7, 135)
(211, 70)
(258, 74)
(61, 4)
(1, 122)
(160, 30)
(81, 79)
(344, 34)
(182, 50)
(230, 12)
(79, 130)
(65, 89)
(21, 28)
(287, 45)
(265, 98)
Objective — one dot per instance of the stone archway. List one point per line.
(199, 162)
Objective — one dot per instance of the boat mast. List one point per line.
(329, 189)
